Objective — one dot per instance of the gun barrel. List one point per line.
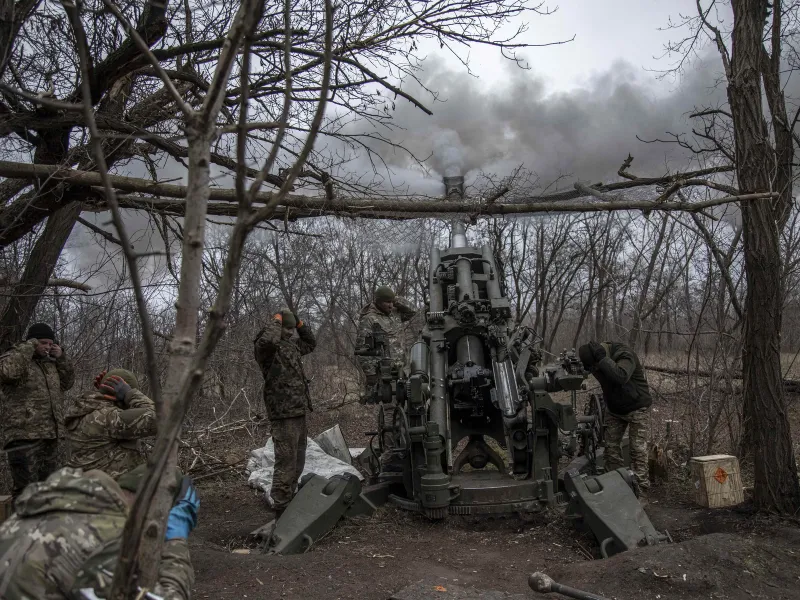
(458, 237)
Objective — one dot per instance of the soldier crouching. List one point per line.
(104, 428)
(287, 399)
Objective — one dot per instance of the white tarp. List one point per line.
(261, 465)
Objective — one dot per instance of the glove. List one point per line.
(99, 379)
(598, 352)
(183, 516)
(115, 388)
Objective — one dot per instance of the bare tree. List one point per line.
(762, 153)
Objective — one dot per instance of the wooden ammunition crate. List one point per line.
(717, 480)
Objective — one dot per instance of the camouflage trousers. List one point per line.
(31, 461)
(290, 439)
(637, 423)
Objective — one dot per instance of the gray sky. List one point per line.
(605, 31)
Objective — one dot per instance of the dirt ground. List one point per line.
(716, 554)
(725, 553)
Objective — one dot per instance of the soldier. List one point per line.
(104, 427)
(33, 378)
(63, 541)
(619, 372)
(287, 398)
(391, 314)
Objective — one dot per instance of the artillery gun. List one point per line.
(473, 375)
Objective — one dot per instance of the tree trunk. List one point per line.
(776, 484)
(38, 270)
(633, 340)
(184, 337)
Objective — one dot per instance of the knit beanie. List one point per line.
(287, 318)
(129, 377)
(41, 331)
(384, 294)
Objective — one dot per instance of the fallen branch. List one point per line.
(297, 206)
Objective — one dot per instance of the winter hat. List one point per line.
(129, 377)
(384, 294)
(288, 319)
(41, 331)
(131, 480)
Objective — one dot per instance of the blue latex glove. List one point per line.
(183, 516)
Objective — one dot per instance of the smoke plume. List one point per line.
(582, 134)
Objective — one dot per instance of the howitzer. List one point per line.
(475, 385)
(472, 419)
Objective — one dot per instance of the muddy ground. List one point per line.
(716, 554)
(725, 553)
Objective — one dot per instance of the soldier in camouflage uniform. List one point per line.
(65, 534)
(287, 399)
(627, 394)
(104, 427)
(393, 315)
(33, 378)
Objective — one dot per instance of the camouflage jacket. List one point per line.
(397, 328)
(286, 392)
(32, 390)
(104, 436)
(623, 380)
(59, 527)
